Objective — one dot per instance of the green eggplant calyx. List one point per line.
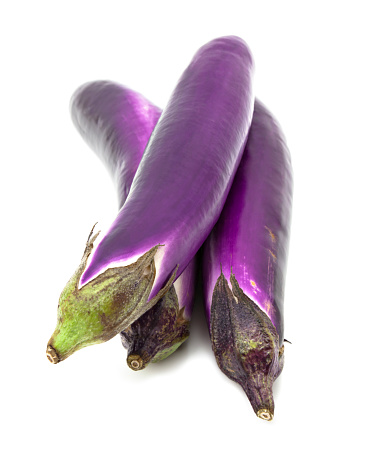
(104, 306)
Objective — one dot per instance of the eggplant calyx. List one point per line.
(245, 344)
(157, 333)
(104, 306)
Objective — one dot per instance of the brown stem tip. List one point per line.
(265, 414)
(135, 362)
(52, 355)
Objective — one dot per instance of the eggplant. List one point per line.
(116, 123)
(244, 265)
(175, 199)
(97, 111)
(162, 329)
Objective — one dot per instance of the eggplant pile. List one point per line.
(207, 182)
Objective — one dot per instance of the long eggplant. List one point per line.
(244, 265)
(176, 198)
(116, 123)
(100, 111)
(162, 329)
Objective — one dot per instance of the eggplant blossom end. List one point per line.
(245, 344)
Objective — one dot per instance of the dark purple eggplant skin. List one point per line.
(188, 166)
(245, 261)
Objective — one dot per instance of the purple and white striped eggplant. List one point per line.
(176, 197)
(244, 265)
(116, 123)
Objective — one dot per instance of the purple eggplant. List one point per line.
(116, 123)
(121, 150)
(244, 265)
(176, 197)
(163, 328)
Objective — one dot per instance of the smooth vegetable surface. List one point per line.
(116, 123)
(188, 167)
(177, 194)
(244, 265)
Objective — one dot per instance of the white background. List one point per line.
(317, 70)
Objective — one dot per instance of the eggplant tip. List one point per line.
(265, 414)
(52, 355)
(135, 362)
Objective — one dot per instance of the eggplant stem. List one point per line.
(265, 414)
(52, 355)
(135, 362)
(90, 235)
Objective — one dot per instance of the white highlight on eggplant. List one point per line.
(113, 264)
(158, 258)
(180, 289)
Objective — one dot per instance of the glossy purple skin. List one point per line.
(251, 236)
(116, 123)
(188, 166)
